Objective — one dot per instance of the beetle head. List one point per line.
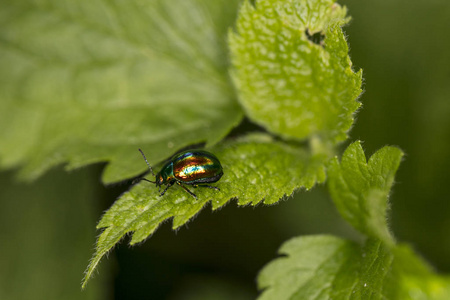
(159, 179)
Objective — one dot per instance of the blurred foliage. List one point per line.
(403, 48)
(47, 231)
(81, 83)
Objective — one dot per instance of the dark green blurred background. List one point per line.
(47, 228)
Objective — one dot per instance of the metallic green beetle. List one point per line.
(192, 167)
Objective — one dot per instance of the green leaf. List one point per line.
(326, 267)
(360, 189)
(309, 269)
(83, 82)
(256, 169)
(279, 67)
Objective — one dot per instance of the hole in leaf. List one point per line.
(317, 38)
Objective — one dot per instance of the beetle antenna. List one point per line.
(150, 168)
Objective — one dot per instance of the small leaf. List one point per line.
(360, 189)
(256, 169)
(326, 267)
(84, 82)
(279, 67)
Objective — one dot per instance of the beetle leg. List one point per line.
(187, 190)
(168, 186)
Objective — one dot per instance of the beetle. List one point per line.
(191, 167)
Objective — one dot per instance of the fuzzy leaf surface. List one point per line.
(83, 82)
(360, 189)
(256, 169)
(280, 65)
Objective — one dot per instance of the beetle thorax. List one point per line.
(165, 175)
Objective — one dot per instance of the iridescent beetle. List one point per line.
(192, 167)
